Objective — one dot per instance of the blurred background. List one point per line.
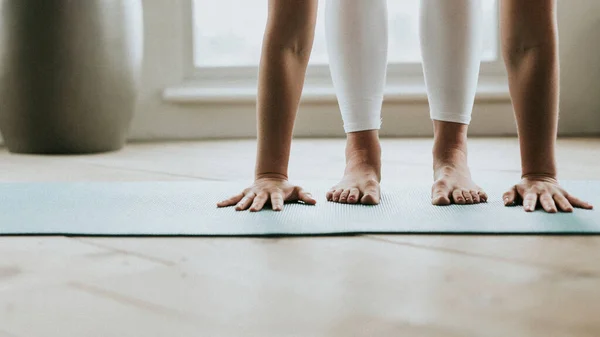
(201, 58)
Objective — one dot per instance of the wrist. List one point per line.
(545, 168)
(270, 175)
(540, 176)
(271, 169)
(271, 163)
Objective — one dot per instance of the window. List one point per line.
(203, 55)
(232, 38)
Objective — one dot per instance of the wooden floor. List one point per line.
(347, 286)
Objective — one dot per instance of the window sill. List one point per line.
(489, 89)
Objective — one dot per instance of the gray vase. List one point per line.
(69, 74)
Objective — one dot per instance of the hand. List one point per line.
(277, 190)
(547, 191)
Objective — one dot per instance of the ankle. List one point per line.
(450, 144)
(363, 152)
(450, 134)
(362, 140)
(363, 145)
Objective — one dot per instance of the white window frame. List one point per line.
(238, 83)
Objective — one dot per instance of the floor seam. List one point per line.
(163, 262)
(131, 301)
(484, 256)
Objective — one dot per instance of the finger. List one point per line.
(563, 203)
(344, 195)
(468, 197)
(440, 195)
(306, 197)
(510, 197)
(259, 202)
(276, 201)
(475, 196)
(458, 197)
(231, 201)
(354, 196)
(576, 202)
(530, 201)
(547, 202)
(482, 196)
(337, 194)
(246, 201)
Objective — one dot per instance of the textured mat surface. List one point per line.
(188, 208)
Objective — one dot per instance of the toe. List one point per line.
(482, 196)
(329, 194)
(344, 196)
(458, 197)
(440, 195)
(371, 193)
(441, 200)
(336, 195)
(370, 199)
(354, 196)
(468, 197)
(475, 196)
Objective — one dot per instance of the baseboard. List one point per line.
(217, 121)
(320, 120)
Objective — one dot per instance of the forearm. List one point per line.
(530, 49)
(286, 50)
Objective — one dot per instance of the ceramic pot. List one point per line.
(69, 74)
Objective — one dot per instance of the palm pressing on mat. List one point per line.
(450, 44)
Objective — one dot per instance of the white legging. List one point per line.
(357, 40)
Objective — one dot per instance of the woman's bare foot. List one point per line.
(451, 174)
(360, 183)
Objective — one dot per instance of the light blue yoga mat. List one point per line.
(188, 208)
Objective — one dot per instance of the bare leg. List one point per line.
(357, 44)
(451, 48)
(453, 183)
